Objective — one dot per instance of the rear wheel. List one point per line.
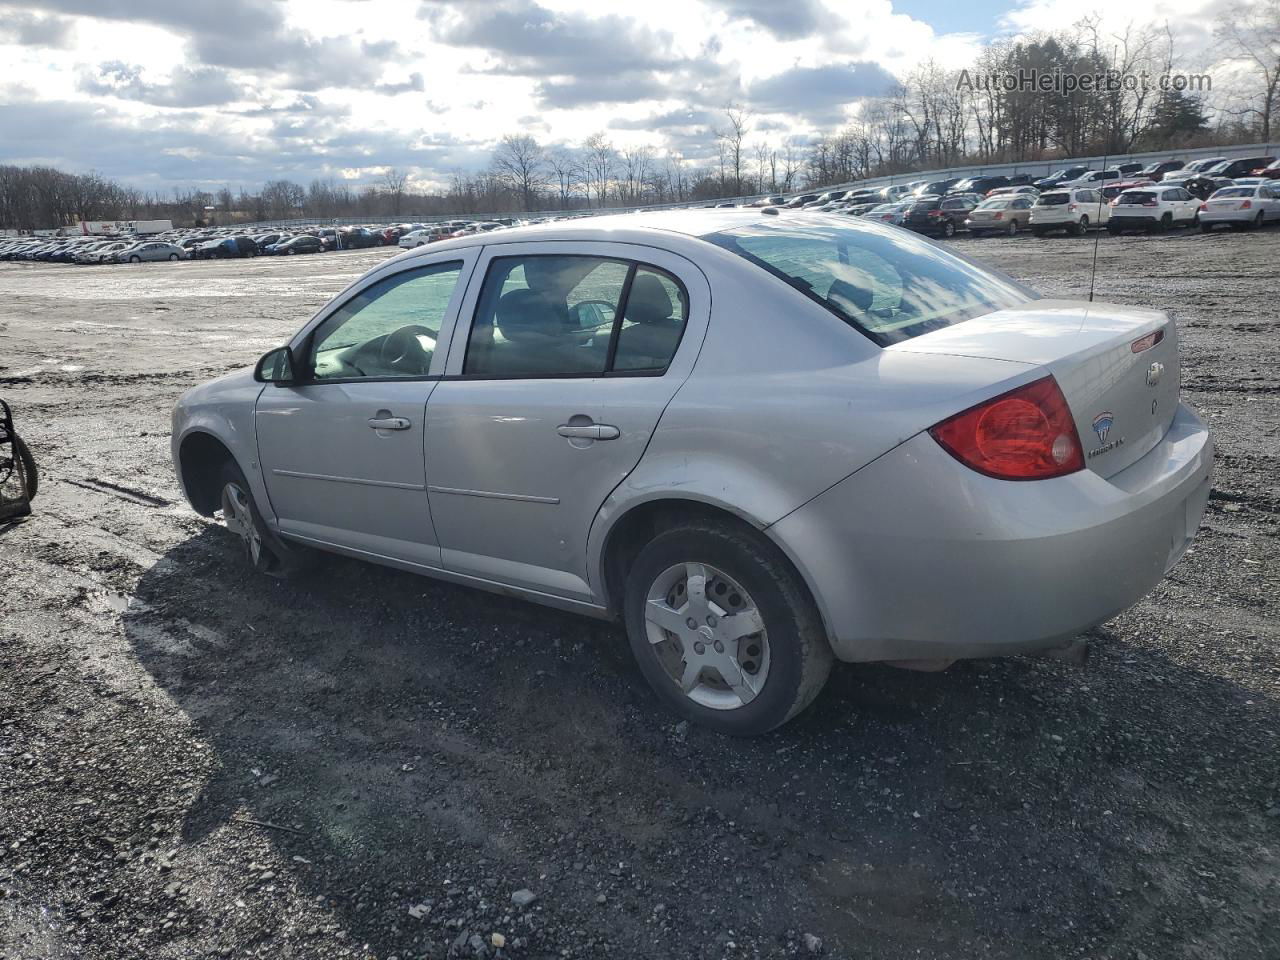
(266, 552)
(173, 256)
(1166, 222)
(948, 229)
(1013, 228)
(724, 630)
(135, 259)
(1257, 221)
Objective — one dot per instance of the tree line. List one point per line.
(933, 118)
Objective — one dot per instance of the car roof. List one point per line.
(626, 227)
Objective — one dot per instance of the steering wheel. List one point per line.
(600, 307)
(401, 349)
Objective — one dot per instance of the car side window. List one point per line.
(545, 316)
(388, 330)
(566, 315)
(653, 321)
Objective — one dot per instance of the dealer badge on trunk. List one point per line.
(1102, 427)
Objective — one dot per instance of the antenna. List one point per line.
(1102, 198)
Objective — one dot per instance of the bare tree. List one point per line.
(601, 163)
(394, 181)
(520, 163)
(731, 139)
(1249, 32)
(567, 171)
(635, 168)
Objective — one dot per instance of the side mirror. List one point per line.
(275, 366)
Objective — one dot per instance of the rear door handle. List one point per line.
(389, 423)
(588, 431)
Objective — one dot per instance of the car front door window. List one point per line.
(388, 330)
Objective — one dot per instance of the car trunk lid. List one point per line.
(1116, 365)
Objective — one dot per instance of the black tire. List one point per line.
(1259, 220)
(135, 259)
(799, 650)
(29, 469)
(1166, 222)
(173, 256)
(275, 558)
(948, 230)
(1013, 228)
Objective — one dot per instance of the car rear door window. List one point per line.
(387, 330)
(653, 321)
(570, 315)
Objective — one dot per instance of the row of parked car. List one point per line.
(230, 243)
(1241, 192)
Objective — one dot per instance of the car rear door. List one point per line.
(341, 450)
(563, 360)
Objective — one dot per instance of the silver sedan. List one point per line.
(764, 441)
(151, 251)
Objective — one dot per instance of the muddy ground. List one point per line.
(200, 762)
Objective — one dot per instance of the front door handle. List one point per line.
(588, 431)
(389, 423)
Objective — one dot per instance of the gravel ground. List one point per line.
(199, 762)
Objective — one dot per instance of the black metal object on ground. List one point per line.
(18, 474)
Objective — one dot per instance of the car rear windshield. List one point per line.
(1235, 192)
(1137, 196)
(888, 285)
(1052, 199)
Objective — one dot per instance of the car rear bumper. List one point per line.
(1227, 216)
(916, 557)
(1133, 220)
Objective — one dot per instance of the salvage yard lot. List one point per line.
(196, 761)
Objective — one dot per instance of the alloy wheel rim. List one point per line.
(707, 635)
(237, 514)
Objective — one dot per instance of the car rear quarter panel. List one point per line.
(785, 401)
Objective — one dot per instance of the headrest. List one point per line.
(526, 314)
(648, 302)
(844, 295)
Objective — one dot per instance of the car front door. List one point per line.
(341, 449)
(561, 364)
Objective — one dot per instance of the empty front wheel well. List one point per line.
(200, 460)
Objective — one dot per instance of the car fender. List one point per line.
(225, 410)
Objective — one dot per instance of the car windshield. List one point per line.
(886, 284)
(1052, 199)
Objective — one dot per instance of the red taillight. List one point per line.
(1025, 434)
(1246, 205)
(935, 213)
(1071, 206)
(999, 216)
(1204, 206)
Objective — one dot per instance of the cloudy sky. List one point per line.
(164, 93)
